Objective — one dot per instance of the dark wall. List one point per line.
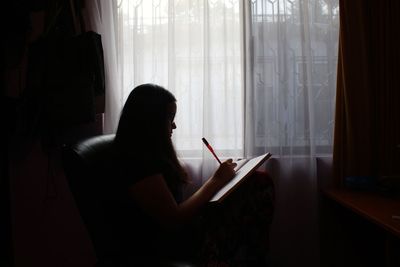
(40, 224)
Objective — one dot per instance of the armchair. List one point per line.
(84, 164)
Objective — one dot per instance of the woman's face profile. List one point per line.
(171, 111)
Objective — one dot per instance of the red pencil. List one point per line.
(211, 149)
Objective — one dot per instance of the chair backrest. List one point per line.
(85, 165)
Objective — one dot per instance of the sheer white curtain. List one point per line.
(291, 56)
(270, 62)
(101, 17)
(249, 75)
(291, 70)
(192, 48)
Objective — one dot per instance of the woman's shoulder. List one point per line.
(133, 169)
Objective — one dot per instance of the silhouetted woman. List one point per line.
(151, 213)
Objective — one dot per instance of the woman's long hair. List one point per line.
(142, 130)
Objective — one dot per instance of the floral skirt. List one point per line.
(236, 231)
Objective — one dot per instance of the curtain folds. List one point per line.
(290, 90)
(102, 17)
(194, 49)
(250, 76)
(367, 128)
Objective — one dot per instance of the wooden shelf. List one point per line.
(376, 208)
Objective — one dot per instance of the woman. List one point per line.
(151, 212)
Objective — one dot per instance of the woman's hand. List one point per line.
(224, 173)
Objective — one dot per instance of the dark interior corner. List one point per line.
(37, 121)
(43, 48)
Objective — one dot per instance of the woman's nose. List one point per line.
(173, 125)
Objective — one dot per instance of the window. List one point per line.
(202, 50)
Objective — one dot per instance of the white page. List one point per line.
(240, 174)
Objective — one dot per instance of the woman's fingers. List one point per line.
(231, 163)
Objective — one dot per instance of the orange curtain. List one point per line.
(367, 123)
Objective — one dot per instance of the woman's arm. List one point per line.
(154, 197)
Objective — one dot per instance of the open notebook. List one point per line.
(243, 170)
